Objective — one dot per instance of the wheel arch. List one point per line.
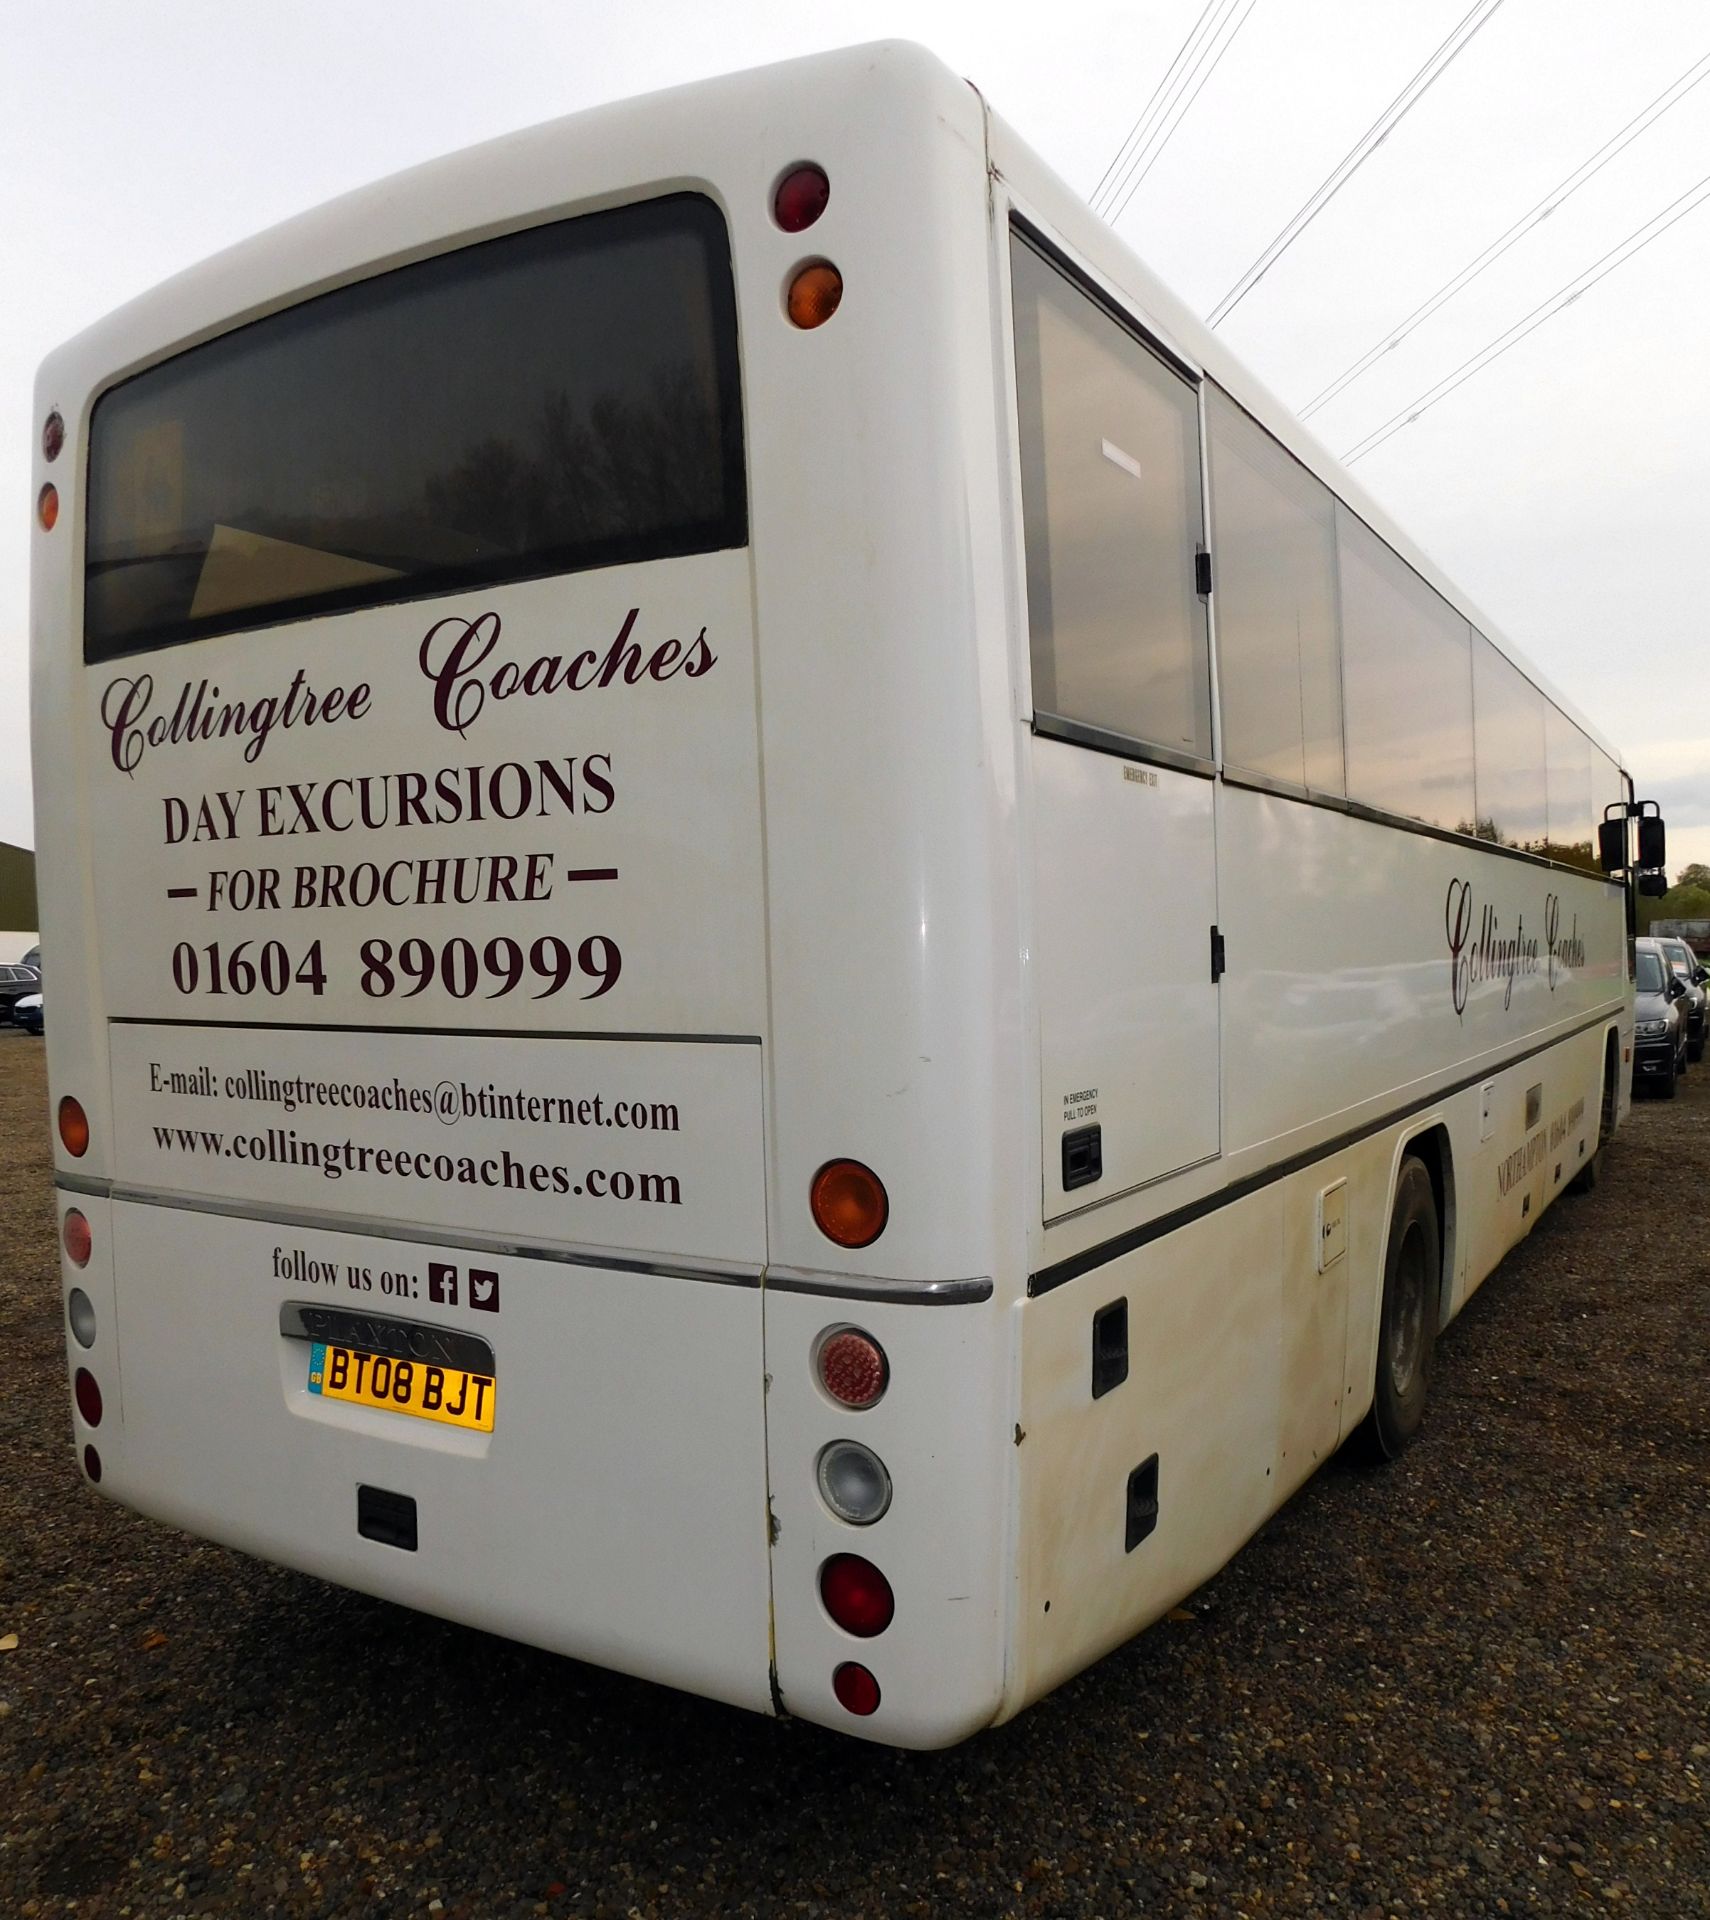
(1429, 1143)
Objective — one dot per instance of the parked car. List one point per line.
(1659, 1023)
(28, 1013)
(15, 982)
(1684, 961)
(32, 959)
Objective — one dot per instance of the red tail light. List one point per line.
(92, 1467)
(77, 1238)
(801, 197)
(88, 1397)
(856, 1595)
(856, 1689)
(853, 1368)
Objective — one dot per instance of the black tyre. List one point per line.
(1407, 1322)
(1666, 1085)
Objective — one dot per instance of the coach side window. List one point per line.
(1508, 719)
(1273, 538)
(1573, 807)
(1407, 684)
(1110, 479)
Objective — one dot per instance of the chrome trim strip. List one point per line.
(84, 1183)
(901, 1293)
(453, 1237)
(384, 1333)
(1101, 740)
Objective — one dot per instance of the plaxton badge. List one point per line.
(399, 1339)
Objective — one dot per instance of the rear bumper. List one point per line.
(616, 1513)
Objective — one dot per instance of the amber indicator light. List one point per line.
(73, 1127)
(815, 294)
(849, 1203)
(47, 507)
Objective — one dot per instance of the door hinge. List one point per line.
(1202, 573)
(1217, 961)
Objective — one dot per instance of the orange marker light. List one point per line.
(815, 294)
(47, 506)
(73, 1127)
(849, 1203)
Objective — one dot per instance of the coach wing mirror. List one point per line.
(1653, 885)
(1612, 845)
(1653, 842)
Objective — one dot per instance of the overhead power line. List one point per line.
(1671, 96)
(1582, 283)
(1212, 52)
(1361, 151)
(1183, 52)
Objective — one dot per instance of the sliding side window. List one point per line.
(1110, 481)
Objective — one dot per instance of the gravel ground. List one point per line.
(1475, 1683)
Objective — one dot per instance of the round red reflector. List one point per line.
(74, 1127)
(92, 1467)
(88, 1397)
(47, 501)
(853, 1368)
(801, 197)
(849, 1203)
(856, 1595)
(855, 1687)
(815, 294)
(53, 435)
(78, 1240)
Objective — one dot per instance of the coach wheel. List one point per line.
(1407, 1325)
(1585, 1181)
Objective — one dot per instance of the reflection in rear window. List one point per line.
(562, 398)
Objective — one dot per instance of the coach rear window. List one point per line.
(557, 399)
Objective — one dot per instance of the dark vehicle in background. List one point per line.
(1659, 1022)
(28, 1014)
(1680, 957)
(15, 982)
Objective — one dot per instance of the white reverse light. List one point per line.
(853, 1482)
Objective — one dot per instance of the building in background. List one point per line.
(17, 901)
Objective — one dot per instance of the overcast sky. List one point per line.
(1567, 490)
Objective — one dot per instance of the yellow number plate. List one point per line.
(447, 1394)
